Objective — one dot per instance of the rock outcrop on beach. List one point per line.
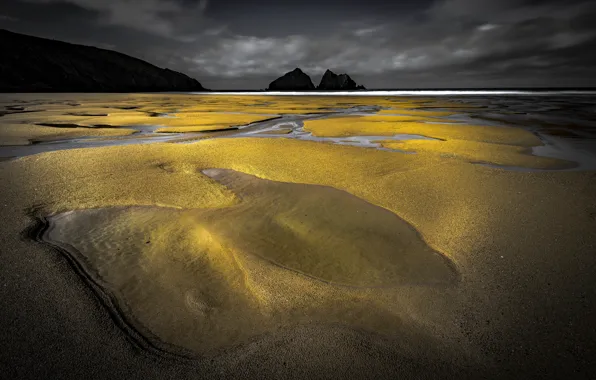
(332, 81)
(295, 80)
(33, 64)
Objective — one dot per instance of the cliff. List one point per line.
(33, 64)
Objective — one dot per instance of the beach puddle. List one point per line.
(286, 254)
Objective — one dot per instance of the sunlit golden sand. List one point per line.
(415, 112)
(181, 113)
(499, 154)
(216, 274)
(24, 134)
(390, 125)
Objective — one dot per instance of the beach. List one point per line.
(250, 236)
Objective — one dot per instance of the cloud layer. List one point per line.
(168, 18)
(455, 43)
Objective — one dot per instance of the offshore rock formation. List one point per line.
(33, 64)
(332, 81)
(295, 80)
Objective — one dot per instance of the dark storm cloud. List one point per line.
(461, 36)
(8, 18)
(169, 18)
(243, 44)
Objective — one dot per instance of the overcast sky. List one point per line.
(243, 44)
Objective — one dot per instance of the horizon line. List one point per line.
(419, 91)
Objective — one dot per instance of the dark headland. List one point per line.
(33, 64)
(298, 80)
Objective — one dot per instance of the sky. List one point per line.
(384, 44)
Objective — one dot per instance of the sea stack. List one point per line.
(33, 64)
(334, 82)
(295, 80)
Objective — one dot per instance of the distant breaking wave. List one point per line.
(406, 93)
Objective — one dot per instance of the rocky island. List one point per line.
(334, 82)
(34, 64)
(297, 80)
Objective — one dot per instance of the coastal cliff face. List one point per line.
(295, 80)
(332, 81)
(33, 64)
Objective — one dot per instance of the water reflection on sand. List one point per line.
(564, 124)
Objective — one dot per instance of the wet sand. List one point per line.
(286, 255)
(139, 302)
